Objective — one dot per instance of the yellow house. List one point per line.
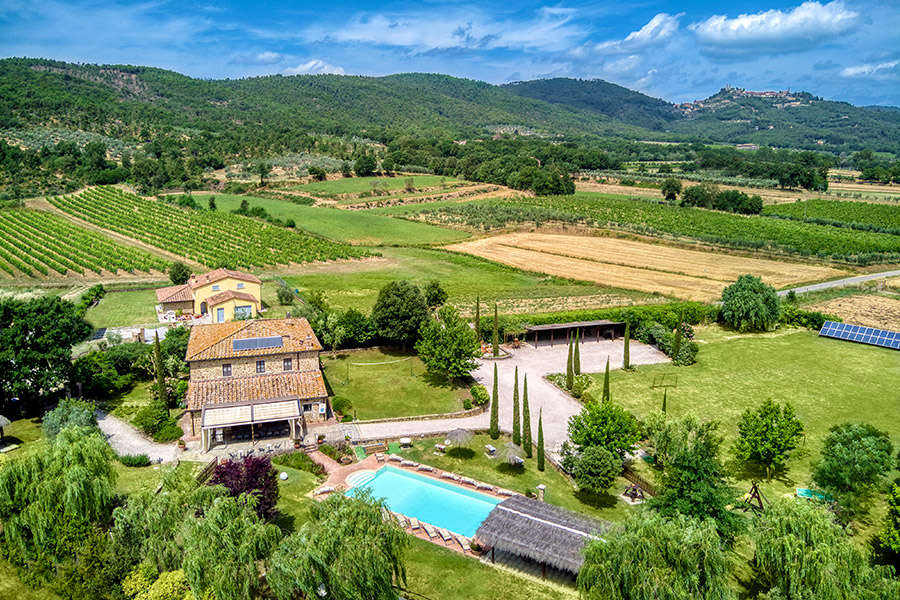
(226, 295)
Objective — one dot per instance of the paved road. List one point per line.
(542, 395)
(840, 282)
(125, 439)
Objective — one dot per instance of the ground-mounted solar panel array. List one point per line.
(863, 335)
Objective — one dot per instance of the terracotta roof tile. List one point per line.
(228, 295)
(305, 385)
(211, 342)
(175, 293)
(197, 281)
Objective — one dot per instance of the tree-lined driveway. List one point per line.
(538, 362)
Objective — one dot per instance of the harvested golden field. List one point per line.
(865, 309)
(687, 274)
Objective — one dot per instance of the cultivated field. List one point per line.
(864, 309)
(359, 185)
(687, 274)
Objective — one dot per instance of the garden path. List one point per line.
(126, 439)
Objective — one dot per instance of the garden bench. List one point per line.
(490, 449)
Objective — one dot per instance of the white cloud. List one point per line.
(260, 58)
(869, 70)
(314, 67)
(656, 32)
(774, 31)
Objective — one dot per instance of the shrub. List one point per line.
(791, 315)
(134, 460)
(169, 431)
(333, 451)
(340, 404)
(300, 461)
(69, 413)
(285, 295)
(346, 418)
(467, 404)
(480, 395)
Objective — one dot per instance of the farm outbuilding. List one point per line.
(539, 532)
(587, 331)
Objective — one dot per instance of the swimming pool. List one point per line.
(430, 500)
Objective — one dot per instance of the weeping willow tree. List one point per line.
(802, 553)
(652, 557)
(224, 547)
(346, 551)
(49, 501)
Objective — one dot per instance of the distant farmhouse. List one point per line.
(253, 379)
(227, 295)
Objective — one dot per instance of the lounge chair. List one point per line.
(484, 486)
(448, 475)
(395, 458)
(401, 520)
(430, 530)
(467, 480)
(464, 542)
(425, 468)
(323, 490)
(413, 523)
(379, 457)
(409, 463)
(502, 492)
(445, 534)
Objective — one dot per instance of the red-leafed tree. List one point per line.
(253, 475)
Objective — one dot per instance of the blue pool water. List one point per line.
(430, 500)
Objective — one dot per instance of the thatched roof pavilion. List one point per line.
(539, 531)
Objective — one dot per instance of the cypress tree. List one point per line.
(627, 356)
(496, 340)
(478, 318)
(570, 371)
(576, 360)
(495, 410)
(540, 444)
(517, 430)
(160, 372)
(676, 347)
(665, 393)
(606, 383)
(526, 420)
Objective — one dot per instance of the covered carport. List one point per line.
(587, 331)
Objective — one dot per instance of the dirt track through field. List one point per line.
(688, 274)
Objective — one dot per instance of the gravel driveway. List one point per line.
(126, 439)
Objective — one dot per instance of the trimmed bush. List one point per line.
(480, 395)
(134, 460)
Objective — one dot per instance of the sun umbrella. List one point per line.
(4, 422)
(459, 437)
(512, 453)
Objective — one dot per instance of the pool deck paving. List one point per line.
(537, 363)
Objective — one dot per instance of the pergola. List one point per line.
(600, 328)
(219, 416)
(541, 532)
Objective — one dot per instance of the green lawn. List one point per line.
(120, 309)
(354, 227)
(828, 382)
(358, 185)
(356, 285)
(473, 462)
(398, 389)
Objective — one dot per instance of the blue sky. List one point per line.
(677, 50)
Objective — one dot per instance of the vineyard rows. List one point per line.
(863, 216)
(652, 218)
(210, 238)
(39, 243)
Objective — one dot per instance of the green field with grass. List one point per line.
(356, 284)
(353, 227)
(828, 381)
(358, 185)
(400, 388)
(121, 309)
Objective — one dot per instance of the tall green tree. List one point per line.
(36, 340)
(495, 409)
(495, 340)
(676, 344)
(576, 357)
(570, 365)
(179, 273)
(478, 318)
(606, 425)
(802, 553)
(665, 394)
(399, 312)
(435, 296)
(855, 457)
(889, 535)
(516, 425)
(223, 548)
(670, 189)
(768, 434)
(626, 356)
(447, 345)
(160, 371)
(526, 420)
(606, 397)
(540, 440)
(750, 305)
(651, 557)
(211, 203)
(346, 551)
(597, 469)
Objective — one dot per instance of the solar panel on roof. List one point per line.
(257, 343)
(861, 334)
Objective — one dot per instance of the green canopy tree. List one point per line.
(889, 535)
(435, 296)
(70, 412)
(802, 553)
(606, 425)
(179, 273)
(855, 457)
(399, 311)
(527, 442)
(651, 557)
(447, 345)
(670, 189)
(346, 551)
(36, 340)
(597, 469)
(768, 434)
(365, 166)
(750, 305)
(224, 547)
